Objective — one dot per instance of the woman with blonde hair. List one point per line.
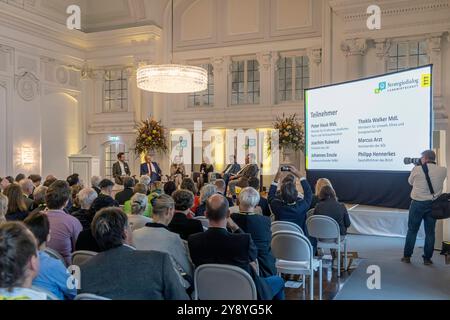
(3, 208)
(139, 204)
(322, 182)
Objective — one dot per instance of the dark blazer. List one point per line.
(117, 172)
(233, 168)
(249, 171)
(259, 228)
(124, 196)
(335, 210)
(103, 201)
(184, 226)
(295, 212)
(155, 176)
(123, 274)
(217, 245)
(16, 216)
(85, 217)
(28, 202)
(264, 204)
(86, 241)
(206, 169)
(200, 212)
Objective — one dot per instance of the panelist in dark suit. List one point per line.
(232, 168)
(151, 169)
(289, 206)
(121, 272)
(218, 245)
(248, 171)
(120, 169)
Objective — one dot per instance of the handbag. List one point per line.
(441, 205)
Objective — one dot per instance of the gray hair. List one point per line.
(220, 184)
(249, 197)
(27, 185)
(86, 197)
(207, 191)
(39, 194)
(161, 203)
(3, 207)
(145, 180)
(139, 203)
(95, 181)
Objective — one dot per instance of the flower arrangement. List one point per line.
(291, 133)
(151, 137)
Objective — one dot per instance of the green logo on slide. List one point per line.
(381, 87)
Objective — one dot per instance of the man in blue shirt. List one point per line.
(52, 275)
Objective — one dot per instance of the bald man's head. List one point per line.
(217, 208)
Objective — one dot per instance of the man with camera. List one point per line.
(421, 204)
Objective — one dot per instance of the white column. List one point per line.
(266, 71)
(354, 50)
(315, 66)
(221, 66)
(382, 47)
(434, 52)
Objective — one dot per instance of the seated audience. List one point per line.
(17, 209)
(127, 192)
(139, 203)
(27, 190)
(49, 180)
(64, 229)
(329, 206)
(258, 226)
(120, 272)
(169, 188)
(36, 179)
(147, 181)
(85, 199)
(74, 191)
(319, 185)
(139, 188)
(263, 202)
(3, 208)
(104, 199)
(19, 263)
(53, 275)
(221, 189)
(95, 181)
(20, 177)
(289, 206)
(39, 199)
(207, 191)
(217, 245)
(73, 180)
(189, 184)
(157, 237)
(182, 222)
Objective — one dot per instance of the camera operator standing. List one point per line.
(421, 204)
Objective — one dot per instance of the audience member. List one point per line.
(319, 185)
(19, 263)
(108, 273)
(127, 192)
(147, 181)
(182, 222)
(37, 179)
(49, 180)
(189, 184)
(75, 205)
(85, 199)
(53, 275)
(221, 189)
(207, 191)
(289, 206)
(104, 199)
(5, 182)
(259, 227)
(3, 208)
(64, 229)
(73, 180)
(27, 191)
(156, 236)
(95, 181)
(329, 206)
(139, 203)
(20, 177)
(177, 170)
(217, 245)
(263, 202)
(39, 199)
(17, 209)
(169, 188)
(142, 189)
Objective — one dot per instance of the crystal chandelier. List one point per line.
(172, 78)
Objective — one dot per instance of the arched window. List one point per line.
(111, 151)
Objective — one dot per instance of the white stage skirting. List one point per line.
(378, 221)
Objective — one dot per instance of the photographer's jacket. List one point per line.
(420, 190)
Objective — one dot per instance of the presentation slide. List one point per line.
(370, 124)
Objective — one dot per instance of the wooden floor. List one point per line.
(329, 288)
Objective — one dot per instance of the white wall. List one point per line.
(3, 152)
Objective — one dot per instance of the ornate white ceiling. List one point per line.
(99, 15)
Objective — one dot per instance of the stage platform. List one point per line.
(378, 221)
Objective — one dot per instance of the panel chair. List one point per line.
(55, 254)
(89, 296)
(294, 255)
(285, 226)
(223, 282)
(326, 231)
(80, 257)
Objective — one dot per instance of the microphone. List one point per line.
(82, 149)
